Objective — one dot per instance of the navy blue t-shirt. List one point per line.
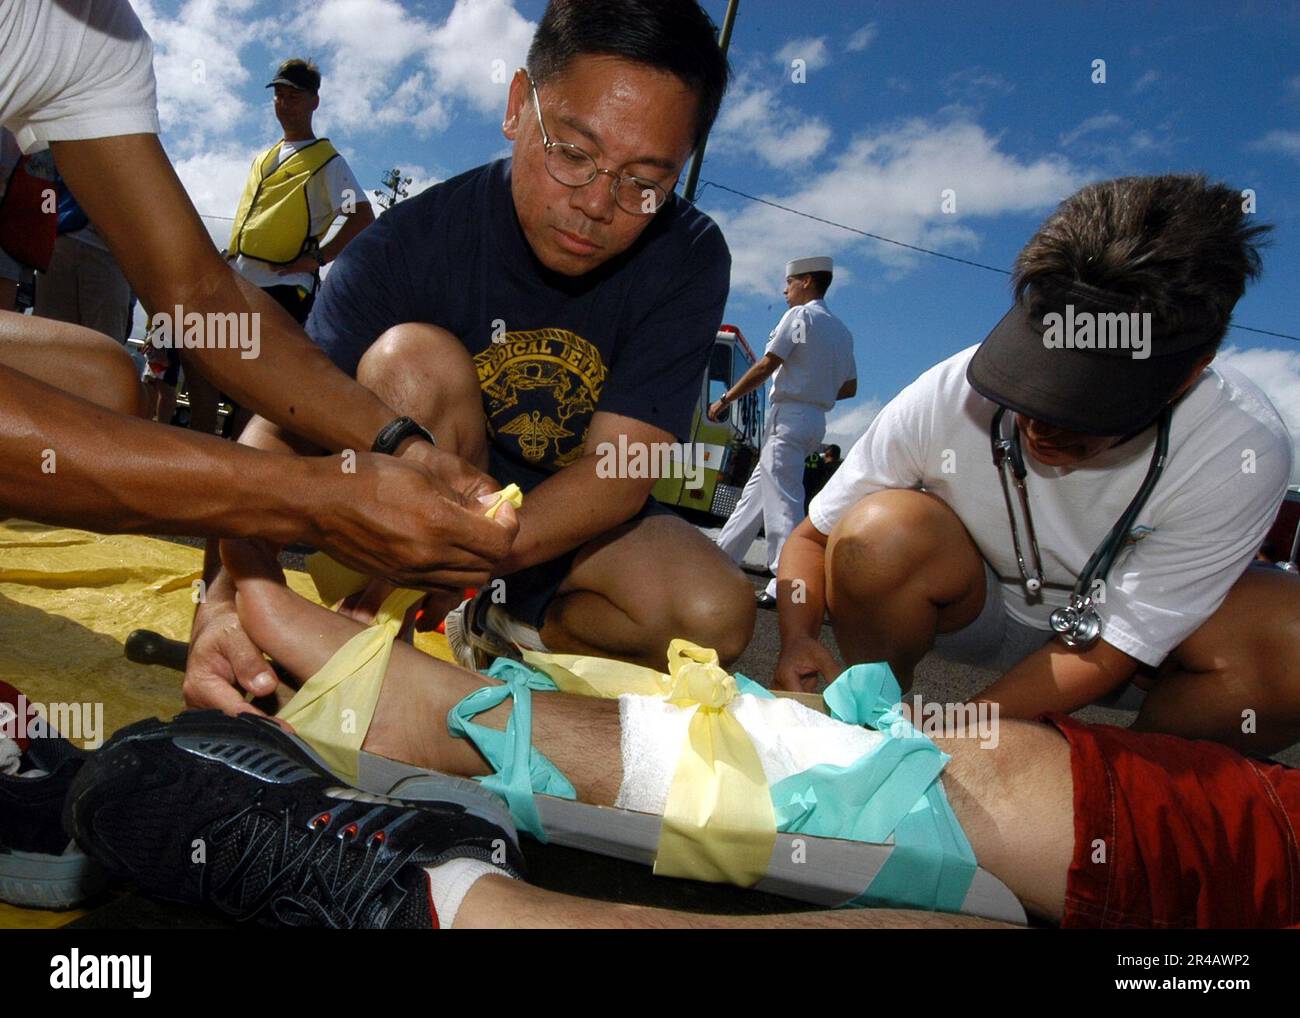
(632, 337)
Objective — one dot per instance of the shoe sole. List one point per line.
(209, 734)
(38, 880)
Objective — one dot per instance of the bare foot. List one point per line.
(410, 720)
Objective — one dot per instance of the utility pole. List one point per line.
(724, 41)
(396, 186)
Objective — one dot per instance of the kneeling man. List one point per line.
(1075, 502)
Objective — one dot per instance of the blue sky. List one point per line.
(900, 101)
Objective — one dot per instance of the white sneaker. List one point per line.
(479, 632)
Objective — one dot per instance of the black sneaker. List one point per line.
(40, 866)
(236, 815)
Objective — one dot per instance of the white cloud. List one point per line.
(198, 67)
(475, 52)
(890, 183)
(862, 38)
(754, 120)
(973, 84)
(844, 427)
(1145, 82)
(1277, 372)
(1100, 122)
(1285, 142)
(214, 181)
(813, 52)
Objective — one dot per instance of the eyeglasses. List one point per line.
(575, 167)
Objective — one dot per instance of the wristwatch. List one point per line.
(398, 431)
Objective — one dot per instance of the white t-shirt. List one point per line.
(816, 351)
(327, 192)
(1228, 466)
(74, 69)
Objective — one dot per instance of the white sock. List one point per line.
(513, 631)
(450, 881)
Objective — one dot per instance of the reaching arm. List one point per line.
(578, 503)
(131, 193)
(801, 605)
(1055, 678)
(354, 224)
(758, 373)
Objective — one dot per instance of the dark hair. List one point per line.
(1175, 245)
(671, 35)
(821, 282)
(303, 73)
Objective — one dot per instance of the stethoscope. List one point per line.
(1079, 623)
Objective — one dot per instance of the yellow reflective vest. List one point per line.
(273, 223)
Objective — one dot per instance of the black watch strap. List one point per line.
(398, 431)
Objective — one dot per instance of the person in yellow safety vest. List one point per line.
(295, 192)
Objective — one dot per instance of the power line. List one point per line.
(921, 250)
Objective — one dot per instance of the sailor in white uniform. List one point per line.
(809, 358)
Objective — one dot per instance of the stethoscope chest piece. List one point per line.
(1078, 624)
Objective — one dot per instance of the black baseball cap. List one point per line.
(297, 73)
(1085, 359)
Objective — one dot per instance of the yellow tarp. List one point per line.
(68, 599)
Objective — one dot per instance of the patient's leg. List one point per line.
(579, 734)
(497, 902)
(1014, 801)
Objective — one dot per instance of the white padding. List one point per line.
(788, 737)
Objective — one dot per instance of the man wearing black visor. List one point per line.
(1075, 502)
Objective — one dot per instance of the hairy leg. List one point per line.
(496, 902)
(1234, 680)
(580, 734)
(634, 590)
(1014, 800)
(900, 568)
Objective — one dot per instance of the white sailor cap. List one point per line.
(801, 266)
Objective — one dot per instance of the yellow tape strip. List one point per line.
(718, 824)
(334, 708)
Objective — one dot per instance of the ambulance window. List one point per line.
(719, 371)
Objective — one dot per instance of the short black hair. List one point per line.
(821, 282)
(1177, 245)
(670, 35)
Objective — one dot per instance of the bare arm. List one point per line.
(130, 191)
(354, 224)
(66, 461)
(1055, 678)
(801, 604)
(848, 390)
(576, 503)
(759, 372)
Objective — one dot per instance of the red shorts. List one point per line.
(1173, 833)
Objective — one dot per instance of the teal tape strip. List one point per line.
(521, 769)
(894, 790)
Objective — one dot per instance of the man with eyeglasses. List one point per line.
(541, 311)
(1075, 503)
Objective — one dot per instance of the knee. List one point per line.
(886, 537)
(716, 611)
(117, 385)
(416, 349)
